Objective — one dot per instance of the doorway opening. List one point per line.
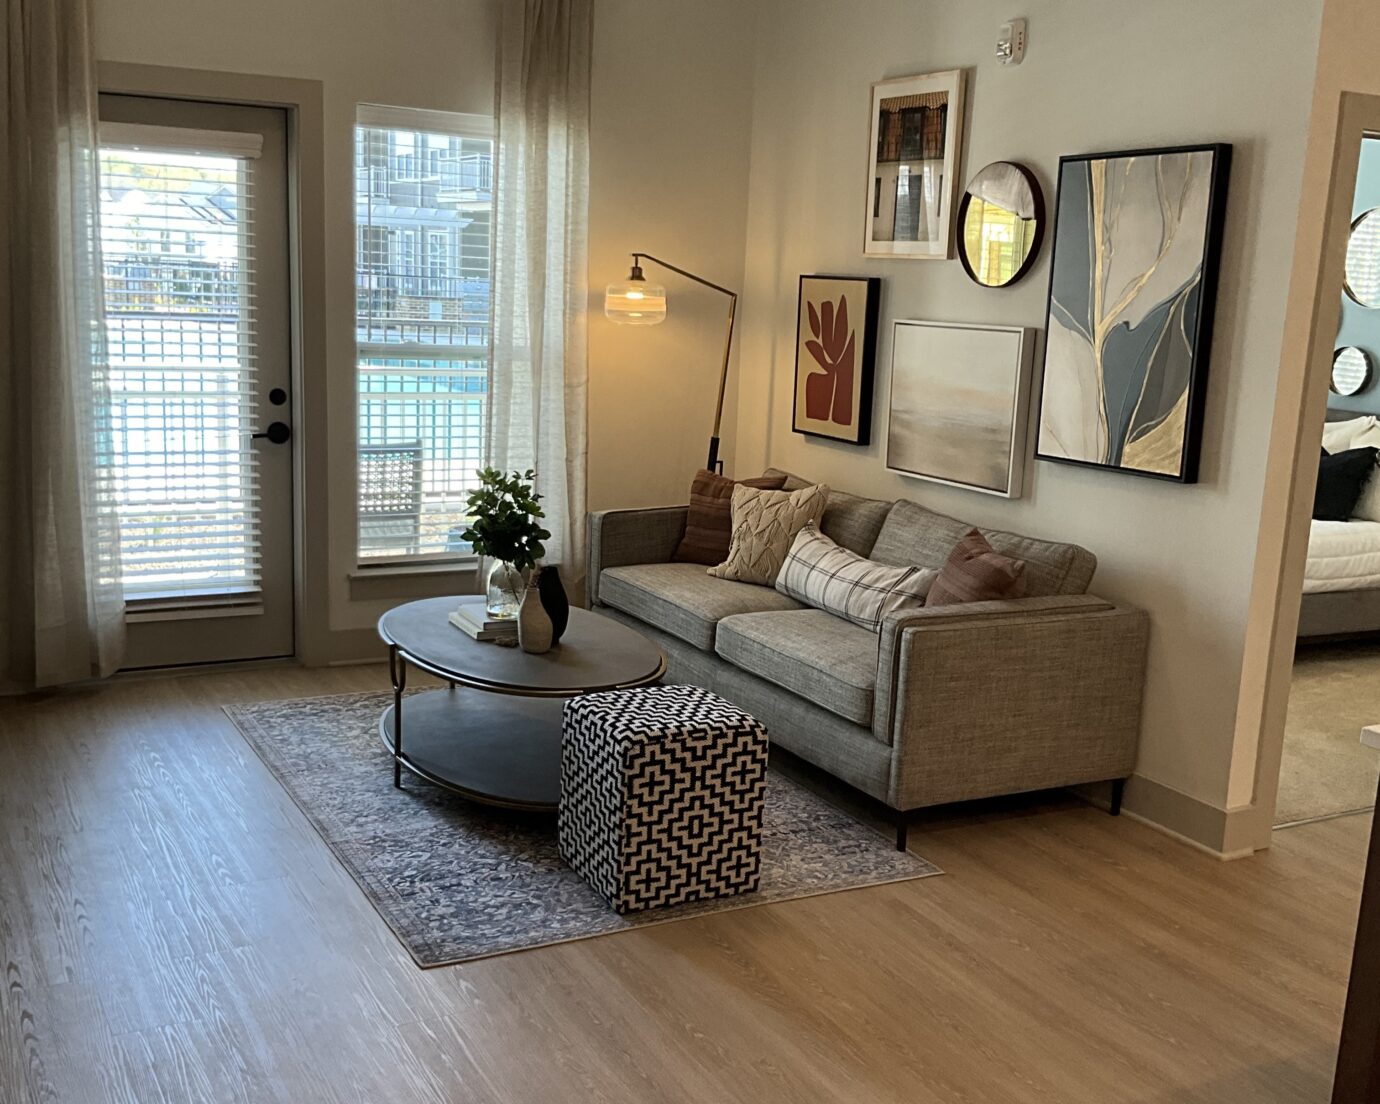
(195, 274)
(1330, 764)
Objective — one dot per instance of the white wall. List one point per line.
(425, 53)
(1107, 75)
(670, 116)
(690, 98)
(669, 136)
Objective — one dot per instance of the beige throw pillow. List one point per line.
(1340, 436)
(764, 525)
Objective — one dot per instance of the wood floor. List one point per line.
(174, 932)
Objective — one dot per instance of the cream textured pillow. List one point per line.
(1340, 436)
(764, 525)
(821, 574)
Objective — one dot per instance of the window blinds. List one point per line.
(178, 267)
(423, 209)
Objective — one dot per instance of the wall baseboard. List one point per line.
(1218, 832)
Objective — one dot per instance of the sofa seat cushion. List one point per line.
(683, 600)
(822, 658)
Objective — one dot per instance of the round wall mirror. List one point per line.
(1001, 220)
(1350, 370)
(1362, 281)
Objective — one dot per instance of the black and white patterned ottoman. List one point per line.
(661, 795)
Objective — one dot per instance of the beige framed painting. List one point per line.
(959, 395)
(916, 139)
(835, 347)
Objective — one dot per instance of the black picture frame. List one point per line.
(866, 364)
(1201, 344)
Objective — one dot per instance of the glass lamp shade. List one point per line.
(635, 303)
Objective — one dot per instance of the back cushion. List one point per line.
(913, 535)
(850, 520)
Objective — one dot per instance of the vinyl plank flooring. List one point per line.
(172, 929)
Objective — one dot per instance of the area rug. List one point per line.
(1326, 771)
(456, 881)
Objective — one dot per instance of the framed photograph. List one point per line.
(1133, 280)
(959, 395)
(835, 350)
(917, 132)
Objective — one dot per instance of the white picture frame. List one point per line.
(958, 410)
(916, 132)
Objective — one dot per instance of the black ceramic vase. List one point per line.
(554, 600)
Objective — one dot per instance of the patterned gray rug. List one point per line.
(456, 881)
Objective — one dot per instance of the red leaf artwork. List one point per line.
(829, 394)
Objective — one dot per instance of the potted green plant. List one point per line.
(504, 512)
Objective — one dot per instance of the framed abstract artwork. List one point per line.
(916, 137)
(1137, 244)
(835, 349)
(959, 396)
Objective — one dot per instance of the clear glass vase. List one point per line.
(507, 583)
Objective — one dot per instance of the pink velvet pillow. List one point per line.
(974, 572)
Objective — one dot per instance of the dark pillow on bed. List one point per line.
(1341, 479)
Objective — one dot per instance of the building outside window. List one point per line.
(423, 209)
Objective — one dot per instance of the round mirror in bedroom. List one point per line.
(1350, 370)
(1362, 281)
(1001, 220)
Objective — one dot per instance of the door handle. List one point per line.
(277, 433)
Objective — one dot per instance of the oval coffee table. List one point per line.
(494, 735)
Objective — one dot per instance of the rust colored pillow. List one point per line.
(709, 524)
(974, 572)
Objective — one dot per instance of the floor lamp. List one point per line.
(639, 303)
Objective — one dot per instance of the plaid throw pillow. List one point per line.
(821, 574)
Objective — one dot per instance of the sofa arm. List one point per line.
(1000, 697)
(618, 538)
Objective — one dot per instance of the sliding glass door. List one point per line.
(195, 262)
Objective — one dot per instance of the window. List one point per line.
(423, 208)
(177, 269)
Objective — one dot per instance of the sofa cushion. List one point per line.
(683, 600)
(764, 525)
(849, 520)
(974, 572)
(818, 656)
(912, 534)
(709, 519)
(828, 577)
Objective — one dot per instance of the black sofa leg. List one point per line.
(1118, 788)
(902, 828)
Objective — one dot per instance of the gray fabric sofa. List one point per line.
(943, 704)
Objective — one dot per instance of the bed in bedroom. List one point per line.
(1341, 583)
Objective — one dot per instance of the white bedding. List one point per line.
(1343, 555)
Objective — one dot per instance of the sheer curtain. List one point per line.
(61, 608)
(537, 389)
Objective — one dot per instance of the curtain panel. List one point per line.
(61, 607)
(537, 411)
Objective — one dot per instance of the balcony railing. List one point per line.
(421, 438)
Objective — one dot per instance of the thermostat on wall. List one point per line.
(1011, 42)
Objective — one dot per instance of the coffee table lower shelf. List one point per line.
(497, 749)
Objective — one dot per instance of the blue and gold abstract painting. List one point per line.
(1130, 309)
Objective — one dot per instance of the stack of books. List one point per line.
(470, 618)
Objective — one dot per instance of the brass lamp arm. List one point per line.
(713, 462)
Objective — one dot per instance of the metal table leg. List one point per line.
(397, 673)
